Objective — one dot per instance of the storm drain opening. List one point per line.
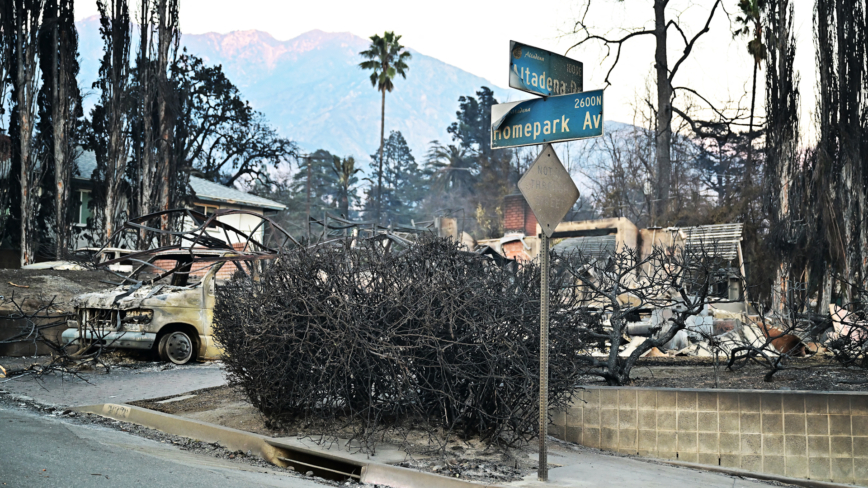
(324, 467)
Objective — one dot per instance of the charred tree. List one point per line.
(665, 73)
(8, 180)
(615, 285)
(842, 113)
(168, 36)
(59, 111)
(782, 135)
(23, 33)
(110, 139)
(158, 183)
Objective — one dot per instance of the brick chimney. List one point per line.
(517, 215)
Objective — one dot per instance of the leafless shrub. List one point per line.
(30, 326)
(615, 287)
(350, 339)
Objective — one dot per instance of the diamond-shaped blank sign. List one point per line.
(548, 189)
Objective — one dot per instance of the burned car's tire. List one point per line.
(177, 347)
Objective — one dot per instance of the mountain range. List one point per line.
(312, 91)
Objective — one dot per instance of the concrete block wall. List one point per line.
(812, 435)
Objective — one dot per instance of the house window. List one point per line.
(84, 212)
(205, 209)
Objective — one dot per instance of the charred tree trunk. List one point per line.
(840, 37)
(8, 183)
(664, 113)
(158, 182)
(167, 42)
(60, 107)
(26, 14)
(781, 136)
(144, 146)
(111, 122)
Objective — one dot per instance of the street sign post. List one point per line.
(541, 72)
(552, 119)
(550, 192)
(565, 113)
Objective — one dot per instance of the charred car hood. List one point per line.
(126, 297)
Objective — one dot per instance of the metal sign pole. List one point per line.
(543, 470)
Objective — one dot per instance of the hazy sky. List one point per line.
(474, 35)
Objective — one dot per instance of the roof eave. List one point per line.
(240, 203)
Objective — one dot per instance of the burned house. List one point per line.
(207, 198)
(601, 237)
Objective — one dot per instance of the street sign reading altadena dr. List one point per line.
(548, 189)
(552, 119)
(541, 72)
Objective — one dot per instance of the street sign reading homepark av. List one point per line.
(548, 189)
(541, 72)
(552, 119)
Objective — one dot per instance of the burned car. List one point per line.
(171, 315)
(166, 302)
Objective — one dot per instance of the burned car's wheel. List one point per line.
(176, 347)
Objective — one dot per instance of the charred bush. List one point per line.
(357, 338)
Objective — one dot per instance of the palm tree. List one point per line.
(450, 167)
(751, 24)
(345, 171)
(387, 58)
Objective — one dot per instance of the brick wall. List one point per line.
(517, 216)
(226, 271)
(815, 435)
(515, 250)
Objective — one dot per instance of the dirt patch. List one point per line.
(811, 374)
(37, 285)
(221, 405)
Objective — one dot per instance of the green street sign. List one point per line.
(542, 120)
(542, 72)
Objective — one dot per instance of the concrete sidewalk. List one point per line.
(120, 386)
(586, 468)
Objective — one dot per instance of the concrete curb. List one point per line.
(275, 452)
(759, 476)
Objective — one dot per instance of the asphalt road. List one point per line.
(44, 451)
(122, 385)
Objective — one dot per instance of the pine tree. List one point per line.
(492, 170)
(402, 188)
